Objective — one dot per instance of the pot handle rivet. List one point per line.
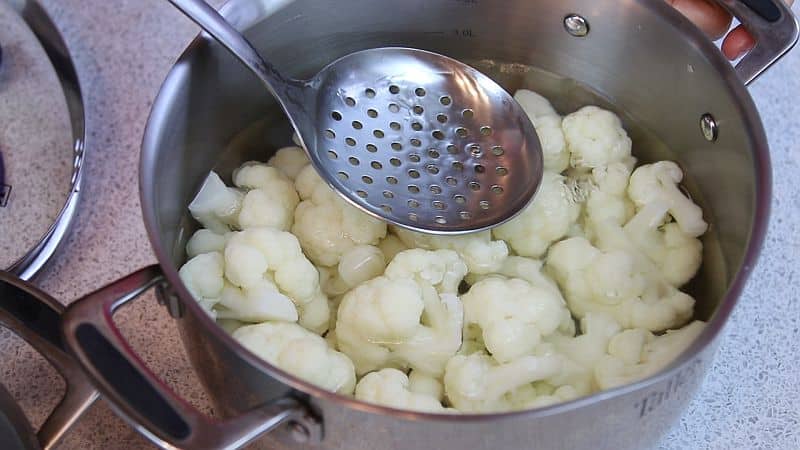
(576, 25)
(708, 125)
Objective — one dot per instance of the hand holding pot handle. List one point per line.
(768, 29)
(137, 393)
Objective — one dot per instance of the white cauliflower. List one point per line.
(300, 352)
(481, 254)
(203, 278)
(258, 302)
(205, 241)
(636, 354)
(607, 197)
(540, 394)
(410, 317)
(471, 340)
(509, 342)
(586, 349)
(391, 387)
(258, 254)
(230, 325)
(477, 383)
(357, 265)
(677, 254)
(290, 161)
(577, 355)
(217, 206)
(391, 245)
(513, 315)
(595, 138)
(270, 199)
(441, 269)
(658, 183)
(422, 383)
(547, 219)
(326, 225)
(618, 282)
(548, 126)
(523, 268)
(361, 263)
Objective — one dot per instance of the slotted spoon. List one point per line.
(410, 136)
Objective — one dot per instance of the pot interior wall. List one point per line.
(212, 113)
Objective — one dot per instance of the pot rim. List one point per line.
(763, 194)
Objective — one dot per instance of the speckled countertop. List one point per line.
(123, 50)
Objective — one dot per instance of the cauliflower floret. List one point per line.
(330, 282)
(217, 206)
(391, 387)
(477, 383)
(595, 138)
(326, 225)
(548, 126)
(300, 352)
(481, 254)
(659, 183)
(258, 254)
(607, 195)
(618, 282)
(442, 269)
(290, 161)
(677, 254)
(202, 276)
(422, 383)
(259, 302)
(636, 354)
(523, 268)
(205, 241)
(587, 348)
(513, 315)
(410, 317)
(391, 245)
(361, 263)
(270, 199)
(471, 340)
(575, 354)
(357, 265)
(539, 395)
(547, 219)
(230, 325)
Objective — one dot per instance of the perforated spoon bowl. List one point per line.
(410, 136)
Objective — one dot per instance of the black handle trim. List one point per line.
(135, 389)
(764, 8)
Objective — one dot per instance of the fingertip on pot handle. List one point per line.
(145, 401)
(773, 27)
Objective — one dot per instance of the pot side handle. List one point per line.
(35, 317)
(774, 28)
(140, 397)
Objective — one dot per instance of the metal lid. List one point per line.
(41, 138)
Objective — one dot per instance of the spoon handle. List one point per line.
(214, 24)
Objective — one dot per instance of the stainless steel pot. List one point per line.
(672, 84)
